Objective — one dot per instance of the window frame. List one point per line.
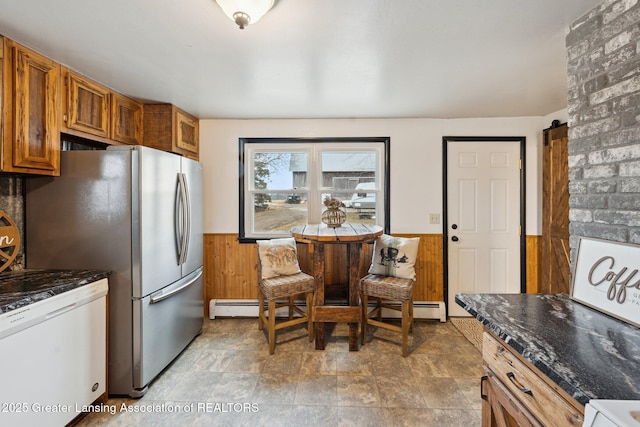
(302, 143)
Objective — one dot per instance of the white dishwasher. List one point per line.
(53, 357)
(612, 413)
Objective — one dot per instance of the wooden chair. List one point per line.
(284, 288)
(388, 289)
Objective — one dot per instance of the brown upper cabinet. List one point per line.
(168, 128)
(30, 111)
(126, 120)
(96, 110)
(87, 105)
(39, 98)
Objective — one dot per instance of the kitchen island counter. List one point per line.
(23, 287)
(588, 354)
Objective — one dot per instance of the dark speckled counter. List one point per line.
(24, 287)
(588, 354)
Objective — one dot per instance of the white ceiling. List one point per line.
(314, 58)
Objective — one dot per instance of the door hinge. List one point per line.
(519, 230)
(520, 164)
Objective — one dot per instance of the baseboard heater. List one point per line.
(249, 308)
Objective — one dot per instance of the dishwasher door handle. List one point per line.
(61, 310)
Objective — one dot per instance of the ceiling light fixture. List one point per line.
(245, 12)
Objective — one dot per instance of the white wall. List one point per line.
(416, 161)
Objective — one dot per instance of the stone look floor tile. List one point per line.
(213, 360)
(436, 385)
(194, 386)
(349, 416)
(410, 417)
(398, 392)
(283, 362)
(356, 390)
(233, 387)
(428, 366)
(314, 415)
(321, 363)
(247, 361)
(316, 390)
(465, 365)
(444, 393)
(391, 365)
(354, 363)
(275, 389)
(470, 387)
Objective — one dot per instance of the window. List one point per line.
(284, 181)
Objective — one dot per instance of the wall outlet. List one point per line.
(434, 218)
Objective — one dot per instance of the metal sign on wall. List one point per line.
(9, 241)
(607, 278)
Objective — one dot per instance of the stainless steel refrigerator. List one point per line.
(137, 212)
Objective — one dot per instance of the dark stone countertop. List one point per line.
(588, 354)
(23, 287)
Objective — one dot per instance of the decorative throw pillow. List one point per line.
(278, 257)
(395, 256)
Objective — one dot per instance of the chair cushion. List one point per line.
(286, 286)
(395, 256)
(278, 257)
(392, 288)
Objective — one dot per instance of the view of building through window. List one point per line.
(286, 182)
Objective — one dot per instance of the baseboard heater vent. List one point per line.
(249, 308)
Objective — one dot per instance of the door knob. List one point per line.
(455, 238)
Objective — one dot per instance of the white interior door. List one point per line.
(483, 218)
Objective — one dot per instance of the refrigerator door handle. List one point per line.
(181, 219)
(177, 287)
(178, 219)
(187, 216)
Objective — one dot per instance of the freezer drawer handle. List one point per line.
(162, 296)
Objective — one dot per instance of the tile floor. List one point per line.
(227, 378)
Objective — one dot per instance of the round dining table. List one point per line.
(354, 235)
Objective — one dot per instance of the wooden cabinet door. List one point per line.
(88, 105)
(501, 408)
(126, 120)
(187, 138)
(170, 129)
(554, 251)
(31, 106)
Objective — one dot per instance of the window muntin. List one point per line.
(284, 182)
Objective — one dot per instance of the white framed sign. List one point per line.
(607, 277)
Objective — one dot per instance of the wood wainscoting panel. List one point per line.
(230, 267)
(533, 263)
(429, 268)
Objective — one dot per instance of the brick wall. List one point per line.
(604, 123)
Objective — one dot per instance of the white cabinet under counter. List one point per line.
(52, 345)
